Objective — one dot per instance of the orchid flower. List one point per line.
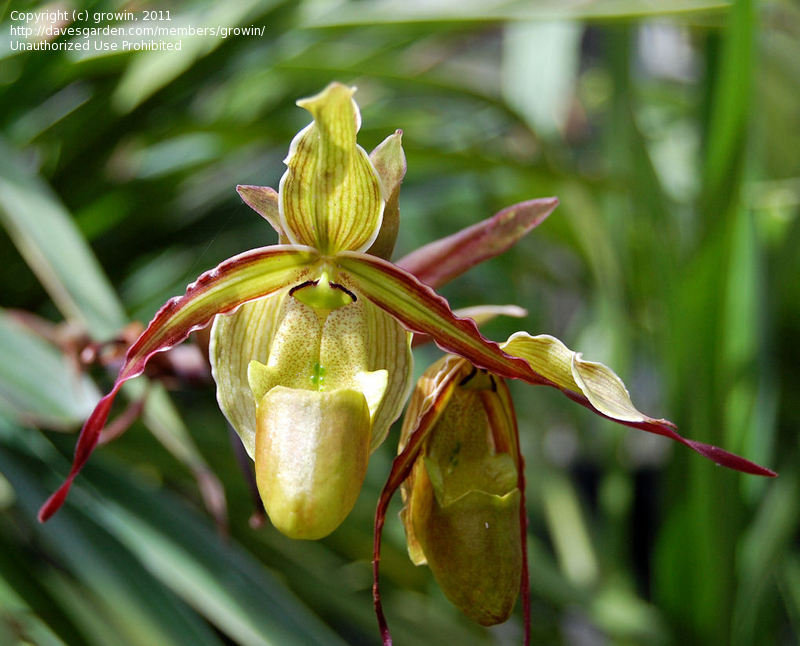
(313, 334)
(310, 345)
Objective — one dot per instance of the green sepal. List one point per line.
(330, 197)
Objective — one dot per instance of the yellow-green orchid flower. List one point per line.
(311, 370)
(310, 344)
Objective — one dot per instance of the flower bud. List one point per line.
(462, 512)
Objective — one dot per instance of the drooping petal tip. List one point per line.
(598, 388)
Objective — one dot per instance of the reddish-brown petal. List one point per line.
(667, 429)
(440, 262)
(427, 412)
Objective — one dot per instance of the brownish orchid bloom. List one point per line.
(464, 511)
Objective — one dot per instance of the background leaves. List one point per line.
(672, 141)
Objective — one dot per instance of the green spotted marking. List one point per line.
(319, 376)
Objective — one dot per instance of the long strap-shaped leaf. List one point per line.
(242, 278)
(590, 384)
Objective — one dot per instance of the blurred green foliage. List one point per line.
(671, 134)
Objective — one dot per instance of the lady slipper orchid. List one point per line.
(310, 346)
(310, 363)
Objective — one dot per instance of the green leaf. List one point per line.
(150, 563)
(47, 237)
(38, 383)
(152, 70)
(727, 124)
(43, 232)
(503, 10)
(138, 608)
(540, 69)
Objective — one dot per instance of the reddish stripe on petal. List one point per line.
(245, 277)
(421, 310)
(500, 410)
(441, 261)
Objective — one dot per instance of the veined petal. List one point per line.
(599, 389)
(441, 261)
(264, 201)
(390, 348)
(238, 338)
(421, 310)
(330, 195)
(480, 314)
(363, 328)
(248, 334)
(239, 279)
(389, 160)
